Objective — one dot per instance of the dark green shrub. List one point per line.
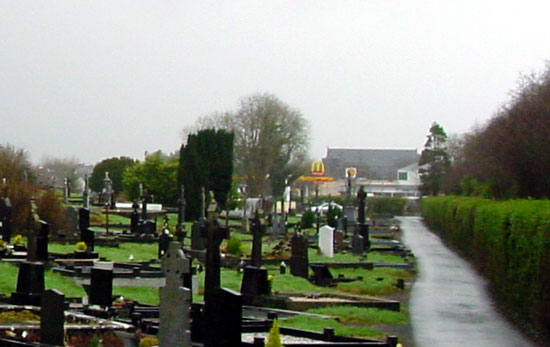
(386, 205)
(234, 246)
(333, 214)
(308, 218)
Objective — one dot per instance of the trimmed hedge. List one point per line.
(509, 241)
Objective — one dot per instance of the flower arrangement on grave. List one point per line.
(274, 337)
(81, 246)
(17, 240)
(4, 247)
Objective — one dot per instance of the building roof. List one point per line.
(370, 163)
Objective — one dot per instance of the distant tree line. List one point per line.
(509, 157)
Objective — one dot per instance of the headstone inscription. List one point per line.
(175, 299)
(299, 261)
(52, 318)
(30, 284)
(101, 287)
(5, 218)
(326, 241)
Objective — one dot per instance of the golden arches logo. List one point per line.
(317, 168)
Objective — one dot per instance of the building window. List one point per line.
(402, 176)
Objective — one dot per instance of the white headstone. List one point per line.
(175, 300)
(326, 241)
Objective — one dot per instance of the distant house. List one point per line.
(405, 184)
(371, 164)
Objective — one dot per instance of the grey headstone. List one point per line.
(175, 300)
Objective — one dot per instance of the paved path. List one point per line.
(449, 304)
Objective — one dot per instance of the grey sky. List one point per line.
(96, 79)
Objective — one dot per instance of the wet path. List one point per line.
(449, 305)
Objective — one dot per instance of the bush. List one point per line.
(234, 246)
(333, 214)
(509, 241)
(308, 218)
(274, 337)
(51, 210)
(386, 205)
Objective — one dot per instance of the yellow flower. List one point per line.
(270, 277)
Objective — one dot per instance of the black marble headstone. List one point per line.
(83, 218)
(87, 236)
(357, 245)
(321, 275)
(254, 281)
(223, 318)
(30, 284)
(134, 221)
(101, 287)
(52, 318)
(41, 243)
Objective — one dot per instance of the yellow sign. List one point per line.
(351, 172)
(317, 168)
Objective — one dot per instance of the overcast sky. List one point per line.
(97, 79)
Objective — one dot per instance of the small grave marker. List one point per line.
(52, 318)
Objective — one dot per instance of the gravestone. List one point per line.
(326, 241)
(180, 226)
(38, 243)
(257, 229)
(175, 299)
(5, 219)
(134, 219)
(357, 245)
(321, 275)
(197, 242)
(88, 237)
(164, 241)
(72, 214)
(223, 318)
(254, 281)
(83, 218)
(339, 241)
(213, 234)
(299, 260)
(362, 227)
(86, 193)
(30, 284)
(52, 318)
(101, 287)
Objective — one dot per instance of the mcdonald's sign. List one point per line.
(351, 172)
(317, 168)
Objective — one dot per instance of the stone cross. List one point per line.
(361, 204)
(86, 193)
(213, 234)
(258, 229)
(175, 299)
(180, 227)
